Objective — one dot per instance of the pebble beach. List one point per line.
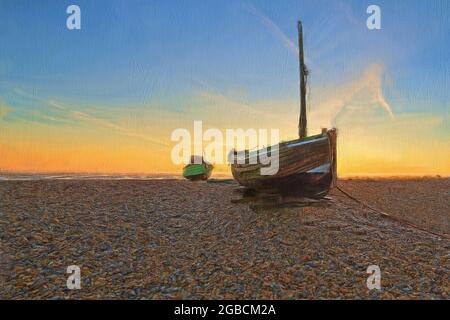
(175, 239)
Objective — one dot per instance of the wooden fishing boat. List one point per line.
(307, 166)
(198, 169)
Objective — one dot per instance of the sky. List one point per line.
(106, 98)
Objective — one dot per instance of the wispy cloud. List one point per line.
(273, 28)
(335, 105)
(348, 13)
(351, 101)
(82, 116)
(372, 138)
(4, 109)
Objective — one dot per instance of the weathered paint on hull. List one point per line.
(306, 167)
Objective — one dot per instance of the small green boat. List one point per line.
(197, 170)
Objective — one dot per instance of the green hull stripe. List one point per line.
(194, 170)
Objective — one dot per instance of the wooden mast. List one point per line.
(302, 132)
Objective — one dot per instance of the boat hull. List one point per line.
(306, 167)
(195, 172)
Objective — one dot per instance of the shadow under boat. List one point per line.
(260, 200)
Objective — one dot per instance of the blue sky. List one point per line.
(136, 51)
(160, 54)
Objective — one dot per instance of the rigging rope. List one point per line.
(387, 215)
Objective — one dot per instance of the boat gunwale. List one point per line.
(288, 144)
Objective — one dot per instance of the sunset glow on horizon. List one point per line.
(106, 98)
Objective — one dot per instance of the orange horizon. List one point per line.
(218, 174)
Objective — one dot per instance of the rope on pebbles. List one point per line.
(387, 215)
